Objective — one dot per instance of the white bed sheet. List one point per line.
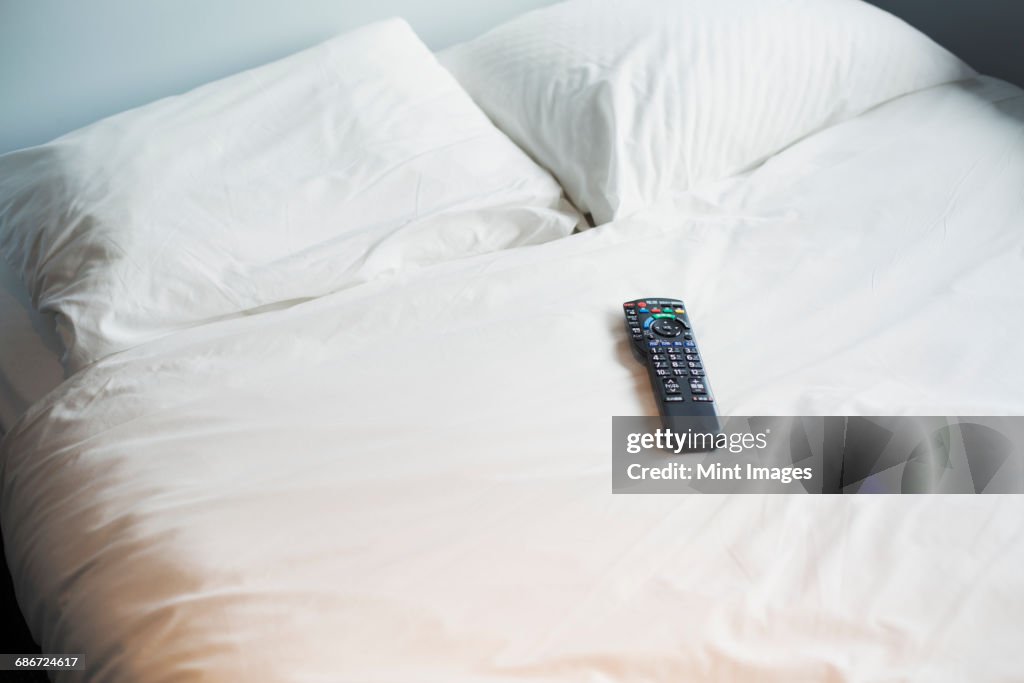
(29, 350)
(410, 480)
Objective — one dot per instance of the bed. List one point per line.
(407, 477)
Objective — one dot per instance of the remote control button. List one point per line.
(697, 366)
(692, 356)
(674, 398)
(660, 364)
(678, 343)
(628, 305)
(655, 310)
(650, 335)
(674, 357)
(667, 328)
(697, 373)
(703, 399)
(653, 343)
(635, 330)
(680, 311)
(689, 344)
(679, 372)
(672, 386)
(663, 373)
(644, 310)
(641, 304)
(665, 343)
(687, 336)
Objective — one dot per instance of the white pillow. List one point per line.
(342, 163)
(628, 103)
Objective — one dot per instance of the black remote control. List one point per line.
(663, 339)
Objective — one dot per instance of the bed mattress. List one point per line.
(410, 480)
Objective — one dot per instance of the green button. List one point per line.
(663, 315)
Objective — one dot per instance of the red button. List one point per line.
(641, 304)
(655, 310)
(630, 305)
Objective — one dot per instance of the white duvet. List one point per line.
(410, 480)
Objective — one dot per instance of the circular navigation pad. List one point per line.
(667, 327)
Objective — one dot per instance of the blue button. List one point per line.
(644, 310)
(690, 344)
(666, 343)
(653, 343)
(647, 323)
(677, 343)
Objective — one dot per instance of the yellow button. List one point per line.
(679, 310)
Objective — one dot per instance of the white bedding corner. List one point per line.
(29, 350)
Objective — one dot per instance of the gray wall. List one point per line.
(987, 34)
(66, 63)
